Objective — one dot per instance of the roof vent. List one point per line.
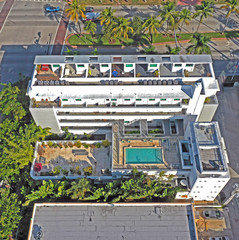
(69, 59)
(141, 59)
(166, 59)
(93, 59)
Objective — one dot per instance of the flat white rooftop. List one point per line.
(113, 222)
(124, 59)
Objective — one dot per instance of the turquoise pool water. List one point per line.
(144, 156)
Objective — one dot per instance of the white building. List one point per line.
(210, 171)
(85, 93)
(175, 95)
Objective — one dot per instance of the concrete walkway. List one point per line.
(61, 33)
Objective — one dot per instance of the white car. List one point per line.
(219, 238)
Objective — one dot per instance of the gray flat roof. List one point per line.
(54, 59)
(113, 222)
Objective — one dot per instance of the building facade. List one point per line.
(88, 93)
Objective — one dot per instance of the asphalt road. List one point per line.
(26, 33)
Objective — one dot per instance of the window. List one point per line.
(64, 99)
(104, 65)
(153, 65)
(78, 99)
(163, 99)
(80, 65)
(56, 65)
(141, 59)
(189, 65)
(129, 65)
(177, 65)
(151, 99)
(127, 99)
(93, 59)
(113, 99)
(126, 121)
(107, 99)
(176, 99)
(138, 99)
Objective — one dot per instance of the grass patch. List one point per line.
(88, 40)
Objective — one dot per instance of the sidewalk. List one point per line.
(4, 12)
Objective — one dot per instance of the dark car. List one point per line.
(52, 9)
(89, 9)
(212, 214)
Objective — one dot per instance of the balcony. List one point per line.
(45, 73)
(142, 71)
(70, 72)
(118, 71)
(94, 71)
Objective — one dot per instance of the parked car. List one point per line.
(52, 9)
(219, 238)
(212, 214)
(89, 9)
(91, 16)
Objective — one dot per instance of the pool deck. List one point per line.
(169, 147)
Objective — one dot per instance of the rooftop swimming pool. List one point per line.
(144, 155)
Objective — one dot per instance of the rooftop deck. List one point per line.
(68, 158)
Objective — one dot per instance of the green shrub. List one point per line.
(78, 144)
(57, 170)
(98, 145)
(107, 171)
(86, 145)
(65, 145)
(105, 143)
(50, 144)
(88, 170)
(55, 145)
(65, 172)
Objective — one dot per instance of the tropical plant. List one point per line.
(98, 145)
(80, 189)
(184, 17)
(95, 52)
(173, 51)
(9, 105)
(232, 7)
(105, 143)
(75, 10)
(148, 50)
(78, 144)
(10, 213)
(107, 16)
(204, 11)
(167, 12)
(88, 170)
(151, 26)
(199, 44)
(137, 25)
(90, 27)
(122, 28)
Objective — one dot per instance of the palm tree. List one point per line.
(122, 28)
(167, 12)
(199, 44)
(79, 189)
(184, 17)
(150, 25)
(232, 5)
(173, 51)
(107, 16)
(75, 10)
(204, 11)
(90, 27)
